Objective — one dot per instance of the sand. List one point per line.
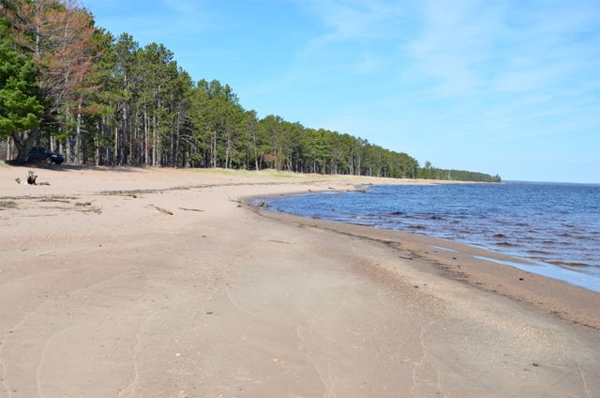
(165, 283)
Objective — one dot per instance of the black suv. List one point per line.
(38, 153)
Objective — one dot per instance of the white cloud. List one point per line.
(477, 46)
(355, 35)
(426, 73)
(455, 48)
(354, 19)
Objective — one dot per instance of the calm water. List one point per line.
(555, 225)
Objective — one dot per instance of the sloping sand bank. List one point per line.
(161, 283)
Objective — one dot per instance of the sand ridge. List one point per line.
(162, 283)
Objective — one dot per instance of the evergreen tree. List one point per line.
(128, 105)
(56, 36)
(20, 105)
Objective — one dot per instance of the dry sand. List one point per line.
(162, 283)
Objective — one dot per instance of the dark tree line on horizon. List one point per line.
(103, 100)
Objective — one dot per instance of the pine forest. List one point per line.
(73, 87)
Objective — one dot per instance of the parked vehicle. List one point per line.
(41, 154)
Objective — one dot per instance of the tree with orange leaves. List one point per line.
(57, 36)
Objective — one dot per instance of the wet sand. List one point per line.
(163, 283)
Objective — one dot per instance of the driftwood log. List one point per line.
(162, 210)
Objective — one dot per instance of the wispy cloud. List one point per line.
(454, 50)
(474, 46)
(352, 33)
(413, 75)
(354, 19)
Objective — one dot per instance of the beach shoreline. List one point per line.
(477, 267)
(159, 282)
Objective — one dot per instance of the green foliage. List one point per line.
(20, 107)
(433, 173)
(135, 106)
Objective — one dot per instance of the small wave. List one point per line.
(563, 263)
(364, 224)
(538, 252)
(417, 227)
(523, 225)
(505, 244)
(445, 249)
(371, 216)
(556, 243)
(576, 237)
(581, 237)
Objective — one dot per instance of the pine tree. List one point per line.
(20, 105)
(57, 36)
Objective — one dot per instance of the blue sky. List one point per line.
(507, 87)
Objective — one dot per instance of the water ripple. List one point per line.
(554, 223)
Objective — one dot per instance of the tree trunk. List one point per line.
(227, 150)
(69, 148)
(214, 148)
(8, 148)
(154, 142)
(132, 147)
(116, 152)
(23, 145)
(97, 142)
(146, 138)
(256, 165)
(177, 135)
(124, 131)
(78, 141)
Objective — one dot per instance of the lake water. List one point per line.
(557, 226)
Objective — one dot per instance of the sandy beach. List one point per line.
(166, 283)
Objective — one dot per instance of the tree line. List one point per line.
(434, 173)
(98, 99)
